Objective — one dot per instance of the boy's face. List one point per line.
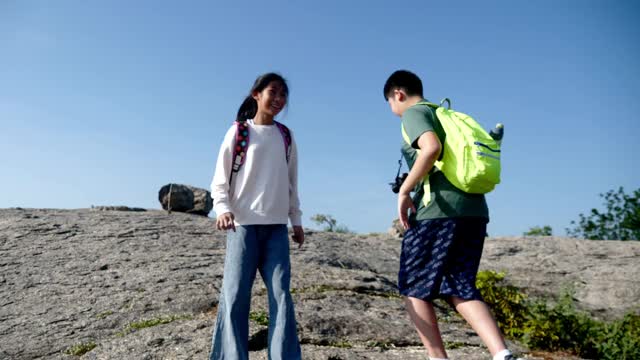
(396, 102)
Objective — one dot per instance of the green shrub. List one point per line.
(506, 301)
(620, 339)
(539, 231)
(560, 326)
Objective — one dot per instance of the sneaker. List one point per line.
(512, 357)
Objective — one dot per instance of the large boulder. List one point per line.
(396, 230)
(185, 198)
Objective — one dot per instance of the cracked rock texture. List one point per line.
(70, 277)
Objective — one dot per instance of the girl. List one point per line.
(253, 202)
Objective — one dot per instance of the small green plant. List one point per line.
(104, 314)
(314, 289)
(259, 317)
(380, 344)
(80, 349)
(451, 345)
(343, 344)
(539, 231)
(143, 324)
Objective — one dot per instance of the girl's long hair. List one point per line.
(249, 106)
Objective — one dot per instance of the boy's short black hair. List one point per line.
(405, 80)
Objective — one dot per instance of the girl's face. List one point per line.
(272, 99)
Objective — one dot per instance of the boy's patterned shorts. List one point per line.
(440, 258)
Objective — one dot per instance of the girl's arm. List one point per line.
(295, 215)
(220, 182)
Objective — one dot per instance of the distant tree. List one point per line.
(330, 224)
(539, 231)
(342, 229)
(620, 220)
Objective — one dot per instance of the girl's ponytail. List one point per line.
(248, 109)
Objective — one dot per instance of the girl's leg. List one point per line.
(231, 334)
(275, 269)
(477, 314)
(424, 319)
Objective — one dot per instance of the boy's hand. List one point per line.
(298, 235)
(404, 205)
(225, 222)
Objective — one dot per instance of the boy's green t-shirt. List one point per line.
(447, 201)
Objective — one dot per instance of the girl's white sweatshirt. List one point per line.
(265, 190)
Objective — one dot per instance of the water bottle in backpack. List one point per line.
(497, 133)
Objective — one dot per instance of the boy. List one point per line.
(444, 236)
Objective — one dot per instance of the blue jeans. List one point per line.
(250, 248)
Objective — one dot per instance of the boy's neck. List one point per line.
(411, 101)
(263, 119)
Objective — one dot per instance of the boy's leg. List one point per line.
(460, 281)
(422, 264)
(275, 268)
(477, 314)
(424, 319)
(231, 333)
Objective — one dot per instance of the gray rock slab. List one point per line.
(69, 277)
(603, 274)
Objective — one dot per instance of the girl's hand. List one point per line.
(225, 222)
(298, 235)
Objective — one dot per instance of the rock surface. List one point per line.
(116, 208)
(71, 277)
(185, 198)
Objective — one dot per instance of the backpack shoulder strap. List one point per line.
(286, 136)
(240, 145)
(426, 197)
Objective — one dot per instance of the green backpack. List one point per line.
(471, 157)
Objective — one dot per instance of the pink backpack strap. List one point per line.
(240, 146)
(286, 136)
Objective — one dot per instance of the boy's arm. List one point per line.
(430, 148)
(429, 151)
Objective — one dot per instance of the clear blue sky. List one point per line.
(103, 102)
